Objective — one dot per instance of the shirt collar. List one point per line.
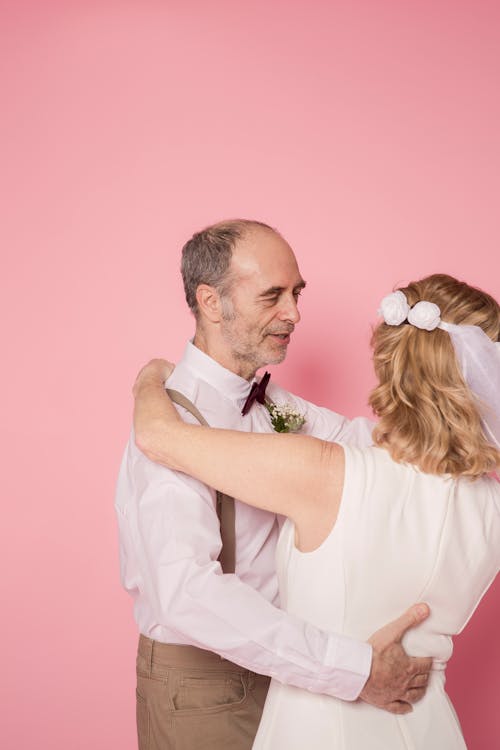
(226, 382)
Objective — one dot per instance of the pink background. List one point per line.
(367, 132)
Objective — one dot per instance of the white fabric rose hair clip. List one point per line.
(395, 309)
(477, 355)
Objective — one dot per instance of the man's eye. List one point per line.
(297, 293)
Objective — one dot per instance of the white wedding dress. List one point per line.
(401, 537)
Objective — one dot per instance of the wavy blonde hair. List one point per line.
(428, 416)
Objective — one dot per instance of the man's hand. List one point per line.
(156, 369)
(396, 679)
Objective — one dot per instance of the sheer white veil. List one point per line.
(479, 360)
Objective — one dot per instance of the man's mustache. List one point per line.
(284, 331)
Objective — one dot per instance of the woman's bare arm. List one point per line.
(294, 475)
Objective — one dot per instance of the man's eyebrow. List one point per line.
(273, 290)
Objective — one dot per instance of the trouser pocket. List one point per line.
(211, 692)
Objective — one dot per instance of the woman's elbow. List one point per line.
(143, 442)
(154, 442)
(146, 440)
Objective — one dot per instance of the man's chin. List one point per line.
(276, 356)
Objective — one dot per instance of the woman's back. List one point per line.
(401, 536)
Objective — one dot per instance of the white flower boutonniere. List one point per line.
(284, 418)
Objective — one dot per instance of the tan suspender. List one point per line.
(225, 504)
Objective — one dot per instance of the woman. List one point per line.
(417, 516)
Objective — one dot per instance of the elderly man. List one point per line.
(200, 566)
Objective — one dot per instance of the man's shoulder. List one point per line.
(213, 404)
(190, 385)
(321, 421)
(186, 381)
(280, 395)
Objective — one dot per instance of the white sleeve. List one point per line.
(172, 529)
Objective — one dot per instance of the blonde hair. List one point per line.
(428, 415)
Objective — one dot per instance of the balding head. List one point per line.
(206, 257)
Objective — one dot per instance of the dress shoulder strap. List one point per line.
(225, 503)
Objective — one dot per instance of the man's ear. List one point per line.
(209, 303)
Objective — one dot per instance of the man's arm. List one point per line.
(174, 531)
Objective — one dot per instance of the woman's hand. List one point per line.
(154, 413)
(155, 370)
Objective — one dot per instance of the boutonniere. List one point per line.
(284, 418)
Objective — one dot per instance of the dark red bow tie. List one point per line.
(257, 393)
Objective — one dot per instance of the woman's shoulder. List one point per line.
(374, 462)
(373, 467)
(375, 456)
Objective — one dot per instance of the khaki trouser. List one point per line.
(191, 699)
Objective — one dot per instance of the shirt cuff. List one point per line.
(350, 662)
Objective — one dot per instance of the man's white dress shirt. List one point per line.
(170, 542)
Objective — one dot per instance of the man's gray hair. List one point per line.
(206, 257)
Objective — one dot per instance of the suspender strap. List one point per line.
(225, 503)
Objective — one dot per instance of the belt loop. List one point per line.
(150, 656)
(147, 645)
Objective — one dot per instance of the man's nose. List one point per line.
(289, 311)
